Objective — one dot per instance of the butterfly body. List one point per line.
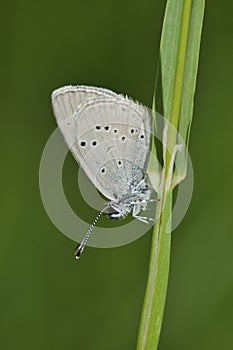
(133, 202)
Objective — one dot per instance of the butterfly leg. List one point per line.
(144, 219)
(136, 210)
(145, 201)
(142, 204)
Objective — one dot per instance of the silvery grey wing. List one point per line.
(109, 137)
(67, 99)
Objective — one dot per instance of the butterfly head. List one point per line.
(117, 212)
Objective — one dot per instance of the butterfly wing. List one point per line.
(67, 99)
(109, 137)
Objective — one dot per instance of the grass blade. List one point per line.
(173, 98)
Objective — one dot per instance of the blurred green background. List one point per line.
(50, 301)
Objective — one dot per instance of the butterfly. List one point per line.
(109, 136)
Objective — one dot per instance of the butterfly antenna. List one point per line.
(79, 249)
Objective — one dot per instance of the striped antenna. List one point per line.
(79, 249)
